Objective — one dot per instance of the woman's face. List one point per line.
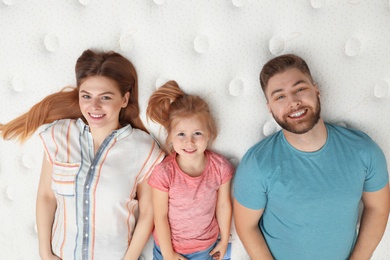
(101, 101)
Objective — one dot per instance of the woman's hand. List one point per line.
(51, 257)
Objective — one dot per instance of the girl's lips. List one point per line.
(189, 150)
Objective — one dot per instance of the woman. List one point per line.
(93, 199)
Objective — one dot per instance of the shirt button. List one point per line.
(87, 186)
(86, 202)
(86, 235)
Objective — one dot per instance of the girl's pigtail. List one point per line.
(160, 102)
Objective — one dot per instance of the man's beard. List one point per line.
(302, 126)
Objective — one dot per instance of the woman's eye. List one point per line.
(106, 98)
(86, 96)
(198, 133)
(180, 134)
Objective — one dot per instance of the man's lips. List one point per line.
(298, 113)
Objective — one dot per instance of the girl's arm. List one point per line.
(144, 225)
(224, 218)
(162, 228)
(45, 209)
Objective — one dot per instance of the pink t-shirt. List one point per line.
(192, 201)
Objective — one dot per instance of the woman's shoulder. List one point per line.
(61, 124)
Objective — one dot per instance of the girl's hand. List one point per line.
(175, 256)
(219, 251)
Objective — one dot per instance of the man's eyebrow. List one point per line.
(299, 82)
(294, 85)
(276, 91)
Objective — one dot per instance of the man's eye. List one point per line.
(279, 97)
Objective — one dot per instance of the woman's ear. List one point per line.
(126, 98)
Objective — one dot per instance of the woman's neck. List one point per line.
(99, 135)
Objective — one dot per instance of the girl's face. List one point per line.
(100, 102)
(189, 137)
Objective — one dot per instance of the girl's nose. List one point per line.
(190, 139)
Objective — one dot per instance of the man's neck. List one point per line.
(311, 141)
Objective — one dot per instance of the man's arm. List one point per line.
(247, 226)
(373, 223)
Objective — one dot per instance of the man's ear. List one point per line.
(268, 107)
(317, 89)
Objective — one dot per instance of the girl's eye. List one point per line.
(86, 96)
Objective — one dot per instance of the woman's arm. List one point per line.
(224, 218)
(144, 225)
(45, 209)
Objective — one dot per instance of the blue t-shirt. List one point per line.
(310, 199)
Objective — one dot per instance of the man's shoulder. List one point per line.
(266, 143)
(348, 134)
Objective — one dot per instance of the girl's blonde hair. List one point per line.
(65, 103)
(169, 103)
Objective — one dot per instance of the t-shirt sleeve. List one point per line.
(159, 179)
(227, 171)
(377, 175)
(248, 189)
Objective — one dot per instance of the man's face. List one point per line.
(293, 101)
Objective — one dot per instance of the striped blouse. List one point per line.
(96, 193)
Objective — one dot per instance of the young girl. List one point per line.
(93, 187)
(191, 187)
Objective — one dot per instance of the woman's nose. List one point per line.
(96, 103)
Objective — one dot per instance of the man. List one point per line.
(297, 192)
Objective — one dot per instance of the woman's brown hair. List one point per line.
(65, 103)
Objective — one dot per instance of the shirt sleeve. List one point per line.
(377, 175)
(49, 138)
(248, 189)
(153, 157)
